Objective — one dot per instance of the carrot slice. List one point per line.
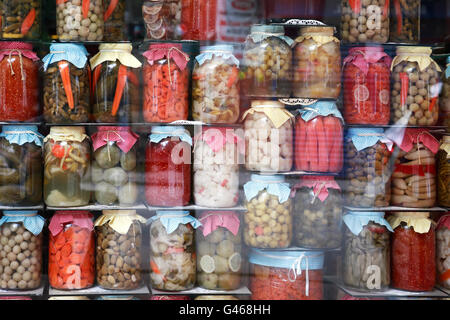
(28, 21)
(233, 77)
(121, 80)
(66, 250)
(85, 8)
(155, 269)
(445, 276)
(112, 6)
(97, 71)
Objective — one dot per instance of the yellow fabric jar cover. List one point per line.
(113, 52)
(273, 110)
(77, 134)
(420, 55)
(119, 220)
(420, 221)
(445, 145)
(320, 35)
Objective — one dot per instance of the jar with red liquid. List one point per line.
(286, 275)
(166, 83)
(319, 135)
(443, 251)
(19, 73)
(198, 19)
(413, 260)
(168, 167)
(367, 86)
(71, 250)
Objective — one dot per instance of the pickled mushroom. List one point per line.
(107, 156)
(105, 193)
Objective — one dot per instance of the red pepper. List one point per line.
(58, 151)
(112, 6)
(312, 146)
(65, 76)
(404, 79)
(355, 5)
(85, 8)
(121, 81)
(330, 137)
(28, 21)
(322, 146)
(301, 160)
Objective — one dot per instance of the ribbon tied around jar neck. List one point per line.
(122, 136)
(296, 270)
(20, 49)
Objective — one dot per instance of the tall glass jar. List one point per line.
(317, 64)
(79, 20)
(365, 21)
(367, 86)
(415, 86)
(443, 251)
(21, 250)
(162, 19)
(405, 21)
(66, 84)
(443, 174)
(168, 167)
(367, 168)
(268, 219)
(317, 213)
(166, 83)
(114, 166)
(172, 250)
(21, 166)
(21, 19)
(71, 259)
(216, 167)
(444, 99)
(115, 84)
(199, 19)
(114, 20)
(67, 166)
(269, 137)
(215, 85)
(118, 253)
(267, 63)
(413, 251)
(366, 251)
(19, 72)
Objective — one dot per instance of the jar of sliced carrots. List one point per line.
(71, 250)
(166, 83)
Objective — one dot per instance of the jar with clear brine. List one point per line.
(405, 21)
(114, 17)
(443, 175)
(21, 19)
(162, 19)
(317, 64)
(443, 251)
(365, 21)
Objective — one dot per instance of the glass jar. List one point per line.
(21, 250)
(71, 259)
(21, 166)
(79, 20)
(317, 213)
(115, 84)
(118, 255)
(444, 99)
(269, 137)
(366, 251)
(367, 168)
(19, 71)
(199, 19)
(216, 167)
(66, 84)
(414, 177)
(319, 132)
(166, 83)
(267, 63)
(268, 219)
(219, 251)
(114, 20)
(415, 86)
(21, 19)
(443, 177)
(168, 167)
(367, 86)
(114, 166)
(215, 85)
(413, 251)
(365, 21)
(286, 275)
(405, 21)
(317, 64)
(443, 251)
(162, 19)
(172, 251)
(67, 165)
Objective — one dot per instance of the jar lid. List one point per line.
(276, 30)
(22, 134)
(266, 103)
(67, 134)
(119, 212)
(223, 51)
(420, 221)
(322, 30)
(225, 48)
(287, 259)
(412, 214)
(357, 220)
(262, 178)
(162, 132)
(446, 139)
(414, 50)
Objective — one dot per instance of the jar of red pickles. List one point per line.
(19, 72)
(286, 275)
(443, 251)
(71, 263)
(199, 19)
(413, 261)
(367, 86)
(168, 167)
(319, 132)
(166, 83)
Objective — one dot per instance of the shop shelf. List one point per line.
(36, 292)
(197, 291)
(97, 291)
(394, 208)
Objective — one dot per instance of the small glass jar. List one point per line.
(162, 19)
(415, 86)
(268, 219)
(365, 21)
(286, 275)
(269, 137)
(444, 99)
(71, 259)
(443, 251)
(168, 167)
(267, 63)
(405, 21)
(166, 83)
(21, 250)
(22, 19)
(367, 168)
(79, 20)
(114, 20)
(172, 250)
(413, 251)
(443, 176)
(317, 64)
(118, 254)
(215, 85)
(66, 91)
(67, 166)
(366, 251)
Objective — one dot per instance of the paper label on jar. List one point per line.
(361, 93)
(374, 280)
(384, 96)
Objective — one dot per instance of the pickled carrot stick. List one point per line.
(233, 77)
(330, 136)
(445, 276)
(155, 269)
(121, 80)
(338, 145)
(28, 21)
(96, 76)
(311, 145)
(65, 76)
(112, 6)
(301, 161)
(85, 8)
(322, 146)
